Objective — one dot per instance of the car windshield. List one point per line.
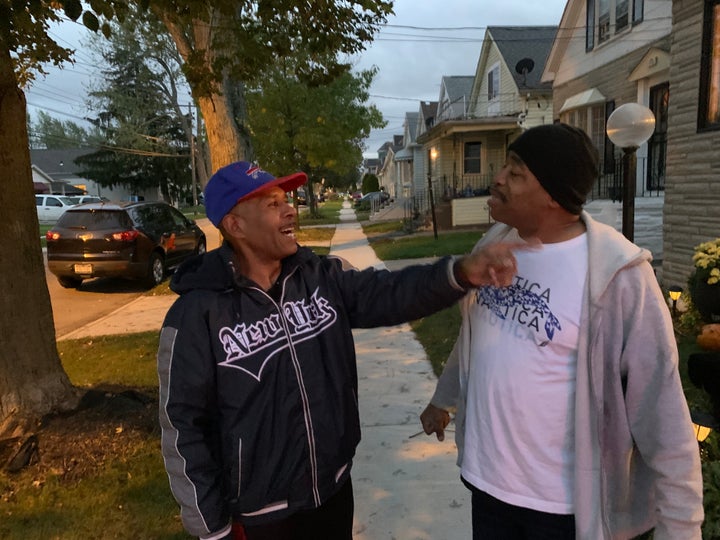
(68, 200)
(95, 220)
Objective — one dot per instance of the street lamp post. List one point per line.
(628, 127)
(431, 158)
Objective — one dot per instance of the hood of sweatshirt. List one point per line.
(215, 270)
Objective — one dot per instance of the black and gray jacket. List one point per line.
(258, 390)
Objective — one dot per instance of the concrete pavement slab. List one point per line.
(406, 488)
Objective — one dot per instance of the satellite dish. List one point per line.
(525, 66)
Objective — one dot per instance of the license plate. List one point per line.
(82, 268)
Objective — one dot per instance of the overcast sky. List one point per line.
(422, 42)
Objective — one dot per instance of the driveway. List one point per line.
(74, 308)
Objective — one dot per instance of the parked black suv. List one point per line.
(137, 240)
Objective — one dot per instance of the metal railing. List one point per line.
(445, 188)
(609, 184)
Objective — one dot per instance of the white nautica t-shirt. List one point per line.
(521, 388)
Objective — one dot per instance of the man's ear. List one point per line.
(232, 225)
(552, 203)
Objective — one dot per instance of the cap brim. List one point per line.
(286, 183)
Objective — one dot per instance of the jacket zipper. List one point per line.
(303, 395)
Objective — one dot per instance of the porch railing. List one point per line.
(610, 183)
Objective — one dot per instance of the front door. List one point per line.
(657, 145)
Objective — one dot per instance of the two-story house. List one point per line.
(607, 53)
(466, 146)
(405, 158)
(692, 184)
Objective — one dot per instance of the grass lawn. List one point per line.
(113, 483)
(416, 246)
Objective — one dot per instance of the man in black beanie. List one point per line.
(570, 417)
(564, 161)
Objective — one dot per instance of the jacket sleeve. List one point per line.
(657, 409)
(382, 298)
(188, 417)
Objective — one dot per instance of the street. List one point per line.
(74, 308)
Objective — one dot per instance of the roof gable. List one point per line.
(525, 50)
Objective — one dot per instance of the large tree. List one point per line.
(146, 135)
(32, 380)
(47, 132)
(223, 43)
(227, 44)
(315, 128)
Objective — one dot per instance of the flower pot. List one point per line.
(706, 299)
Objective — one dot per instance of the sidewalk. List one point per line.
(405, 488)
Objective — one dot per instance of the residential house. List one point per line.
(467, 142)
(607, 53)
(58, 165)
(388, 171)
(404, 159)
(425, 120)
(41, 181)
(370, 166)
(692, 183)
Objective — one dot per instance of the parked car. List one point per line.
(366, 200)
(51, 207)
(140, 240)
(82, 199)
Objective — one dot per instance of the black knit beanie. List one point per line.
(563, 159)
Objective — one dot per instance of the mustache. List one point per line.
(495, 192)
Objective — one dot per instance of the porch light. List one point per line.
(628, 127)
(674, 291)
(703, 424)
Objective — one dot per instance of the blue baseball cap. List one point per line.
(238, 181)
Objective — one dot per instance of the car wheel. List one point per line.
(155, 272)
(201, 248)
(69, 282)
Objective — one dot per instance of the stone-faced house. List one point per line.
(692, 185)
(607, 53)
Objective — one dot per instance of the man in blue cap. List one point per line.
(258, 381)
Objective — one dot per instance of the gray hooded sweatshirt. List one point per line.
(637, 463)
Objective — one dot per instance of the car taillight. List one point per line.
(52, 235)
(125, 236)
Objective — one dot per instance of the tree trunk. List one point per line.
(32, 380)
(221, 109)
(226, 142)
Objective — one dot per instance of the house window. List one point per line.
(493, 79)
(591, 120)
(638, 11)
(590, 25)
(471, 158)
(603, 20)
(621, 15)
(606, 18)
(709, 110)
